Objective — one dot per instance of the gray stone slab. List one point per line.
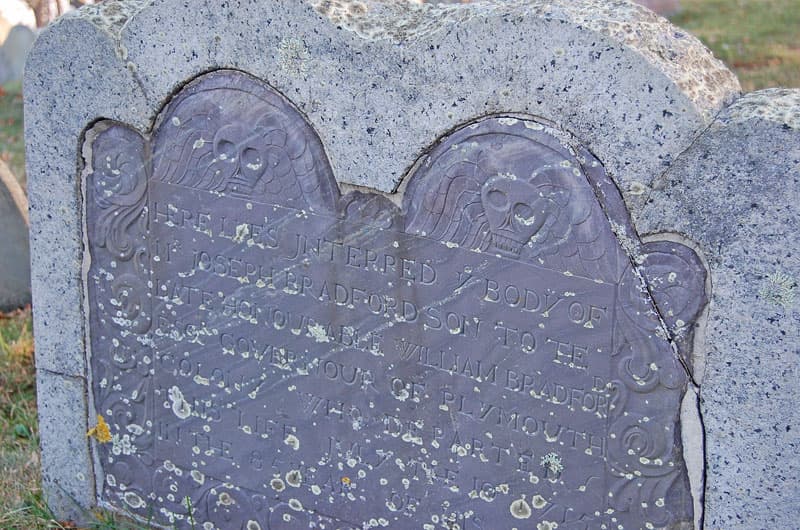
(94, 86)
(380, 84)
(735, 194)
(137, 63)
(15, 276)
(67, 478)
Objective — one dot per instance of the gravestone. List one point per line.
(367, 362)
(13, 52)
(369, 268)
(15, 276)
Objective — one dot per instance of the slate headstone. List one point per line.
(382, 267)
(15, 276)
(485, 354)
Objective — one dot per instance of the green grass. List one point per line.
(758, 39)
(12, 144)
(20, 502)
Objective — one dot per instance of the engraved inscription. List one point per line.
(270, 354)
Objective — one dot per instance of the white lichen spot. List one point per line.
(520, 509)
(242, 232)
(547, 525)
(179, 405)
(318, 333)
(253, 525)
(538, 502)
(198, 476)
(295, 505)
(507, 121)
(294, 478)
(122, 445)
(200, 380)
(637, 188)
(225, 499)
(553, 462)
(176, 121)
(133, 500)
(293, 56)
(292, 441)
(277, 484)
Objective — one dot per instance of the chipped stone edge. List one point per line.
(110, 16)
(708, 83)
(691, 420)
(776, 105)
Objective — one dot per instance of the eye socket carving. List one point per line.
(523, 213)
(498, 199)
(513, 223)
(225, 150)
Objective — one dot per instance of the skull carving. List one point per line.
(516, 211)
(248, 158)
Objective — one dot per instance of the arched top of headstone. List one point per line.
(653, 87)
(230, 133)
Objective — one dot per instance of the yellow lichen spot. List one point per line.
(346, 481)
(101, 431)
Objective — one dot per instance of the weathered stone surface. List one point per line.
(15, 276)
(333, 75)
(67, 471)
(735, 194)
(484, 349)
(380, 83)
(662, 7)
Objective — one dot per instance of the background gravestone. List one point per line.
(15, 280)
(640, 109)
(14, 51)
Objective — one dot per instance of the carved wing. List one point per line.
(509, 186)
(231, 134)
(452, 210)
